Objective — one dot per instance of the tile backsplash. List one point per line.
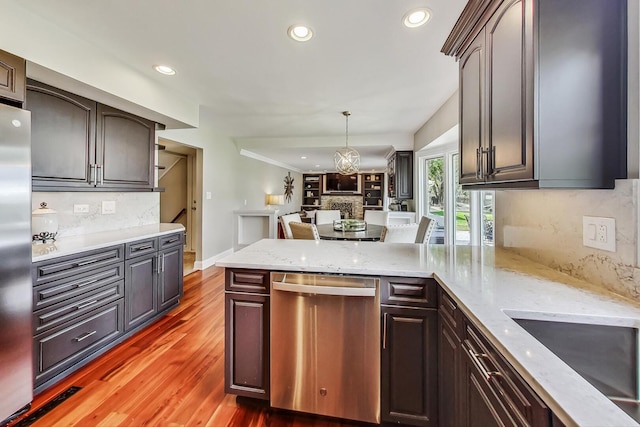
(546, 226)
(131, 210)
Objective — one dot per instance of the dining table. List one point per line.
(371, 234)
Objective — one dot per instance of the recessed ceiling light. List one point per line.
(416, 17)
(300, 33)
(317, 166)
(303, 157)
(164, 69)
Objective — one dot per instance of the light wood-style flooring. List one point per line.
(169, 374)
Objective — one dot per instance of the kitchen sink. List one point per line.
(603, 354)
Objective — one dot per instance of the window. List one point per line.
(462, 217)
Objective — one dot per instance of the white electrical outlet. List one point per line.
(80, 209)
(599, 233)
(108, 207)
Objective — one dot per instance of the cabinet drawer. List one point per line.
(141, 247)
(239, 280)
(67, 288)
(71, 309)
(61, 347)
(71, 265)
(171, 240)
(407, 291)
(504, 382)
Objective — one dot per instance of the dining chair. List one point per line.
(327, 216)
(399, 233)
(305, 231)
(425, 228)
(285, 220)
(376, 217)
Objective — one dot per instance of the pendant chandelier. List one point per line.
(347, 159)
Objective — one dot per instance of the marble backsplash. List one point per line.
(546, 226)
(132, 209)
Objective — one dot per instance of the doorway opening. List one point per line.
(180, 202)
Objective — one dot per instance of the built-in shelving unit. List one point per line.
(373, 191)
(312, 185)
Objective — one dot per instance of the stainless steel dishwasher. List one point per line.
(325, 345)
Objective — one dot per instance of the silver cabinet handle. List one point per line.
(324, 290)
(88, 282)
(384, 331)
(84, 336)
(478, 163)
(142, 248)
(86, 304)
(83, 263)
(101, 174)
(163, 263)
(92, 174)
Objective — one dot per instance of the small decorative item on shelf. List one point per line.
(349, 225)
(44, 223)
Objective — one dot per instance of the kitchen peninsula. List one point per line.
(490, 287)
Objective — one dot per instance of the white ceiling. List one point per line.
(275, 97)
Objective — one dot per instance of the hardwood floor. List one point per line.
(169, 374)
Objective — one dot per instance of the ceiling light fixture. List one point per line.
(300, 33)
(416, 17)
(347, 159)
(164, 69)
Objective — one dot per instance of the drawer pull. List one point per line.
(84, 336)
(88, 282)
(86, 304)
(142, 248)
(83, 263)
(477, 357)
(172, 240)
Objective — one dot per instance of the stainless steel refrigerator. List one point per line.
(16, 360)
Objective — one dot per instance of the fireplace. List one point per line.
(349, 206)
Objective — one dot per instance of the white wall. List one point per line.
(231, 179)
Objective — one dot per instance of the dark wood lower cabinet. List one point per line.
(170, 279)
(449, 352)
(247, 345)
(141, 290)
(409, 366)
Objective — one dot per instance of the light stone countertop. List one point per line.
(86, 242)
(487, 284)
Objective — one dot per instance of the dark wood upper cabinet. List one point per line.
(125, 149)
(400, 172)
(62, 137)
(534, 111)
(12, 79)
(80, 145)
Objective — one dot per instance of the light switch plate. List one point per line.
(599, 233)
(80, 209)
(108, 207)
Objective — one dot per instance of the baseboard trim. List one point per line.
(209, 262)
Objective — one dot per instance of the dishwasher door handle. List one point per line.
(325, 290)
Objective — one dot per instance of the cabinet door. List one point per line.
(12, 77)
(246, 370)
(125, 153)
(449, 352)
(509, 137)
(62, 137)
(472, 83)
(141, 290)
(408, 386)
(170, 281)
(404, 175)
